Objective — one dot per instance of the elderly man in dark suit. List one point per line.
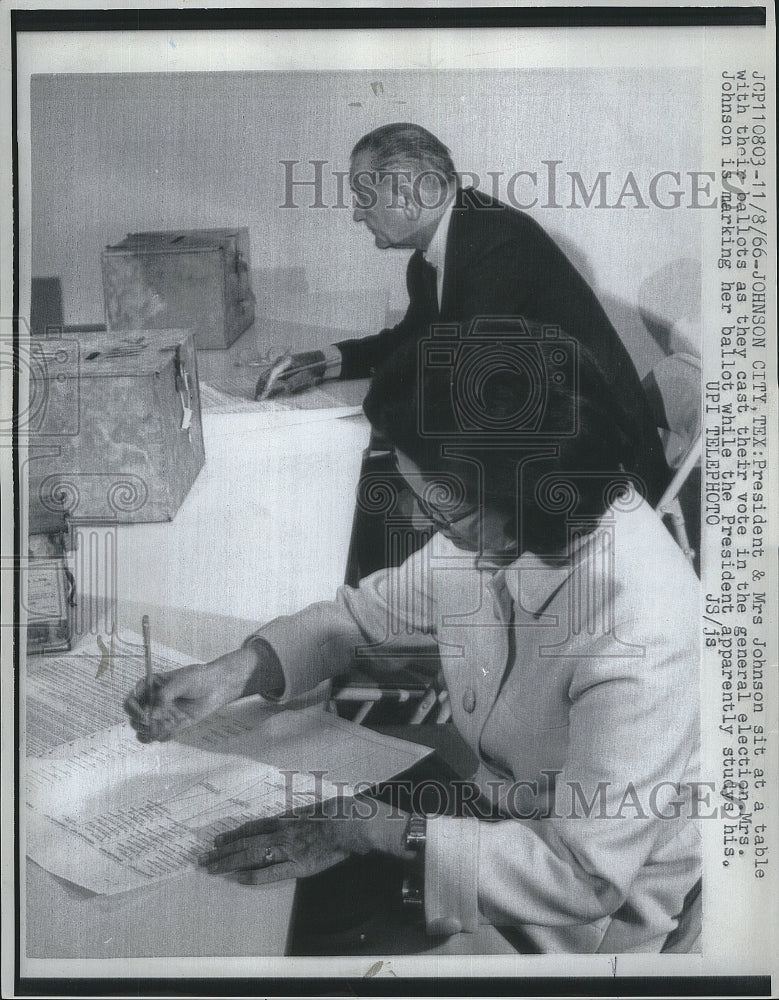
(473, 257)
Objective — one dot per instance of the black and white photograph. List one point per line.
(389, 572)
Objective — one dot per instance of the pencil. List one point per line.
(279, 370)
(146, 629)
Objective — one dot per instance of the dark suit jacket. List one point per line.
(500, 262)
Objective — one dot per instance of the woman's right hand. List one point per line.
(176, 700)
(183, 697)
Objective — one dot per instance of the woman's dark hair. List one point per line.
(548, 434)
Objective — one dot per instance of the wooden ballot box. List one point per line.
(118, 437)
(195, 279)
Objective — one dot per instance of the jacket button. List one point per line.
(469, 700)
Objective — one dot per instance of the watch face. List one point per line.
(416, 833)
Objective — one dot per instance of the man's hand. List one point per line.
(183, 697)
(268, 850)
(291, 373)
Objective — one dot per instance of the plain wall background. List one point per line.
(112, 154)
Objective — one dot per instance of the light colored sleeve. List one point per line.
(451, 875)
(633, 732)
(389, 618)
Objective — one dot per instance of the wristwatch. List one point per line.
(412, 892)
(415, 836)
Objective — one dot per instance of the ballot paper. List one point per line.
(112, 814)
(230, 379)
(79, 693)
(236, 395)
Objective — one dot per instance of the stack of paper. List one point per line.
(113, 814)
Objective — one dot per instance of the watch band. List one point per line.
(412, 897)
(415, 837)
(413, 887)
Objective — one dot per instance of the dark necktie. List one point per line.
(425, 284)
(431, 287)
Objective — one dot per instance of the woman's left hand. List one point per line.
(268, 850)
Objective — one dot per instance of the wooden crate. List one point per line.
(119, 438)
(188, 279)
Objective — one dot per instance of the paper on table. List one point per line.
(81, 692)
(113, 814)
(315, 402)
(229, 380)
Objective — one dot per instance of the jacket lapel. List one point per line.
(452, 265)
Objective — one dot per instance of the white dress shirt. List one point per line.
(435, 255)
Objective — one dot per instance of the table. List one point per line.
(256, 495)
(264, 531)
(194, 915)
(255, 538)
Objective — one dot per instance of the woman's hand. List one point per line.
(268, 850)
(175, 701)
(183, 697)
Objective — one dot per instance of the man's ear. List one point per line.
(408, 203)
